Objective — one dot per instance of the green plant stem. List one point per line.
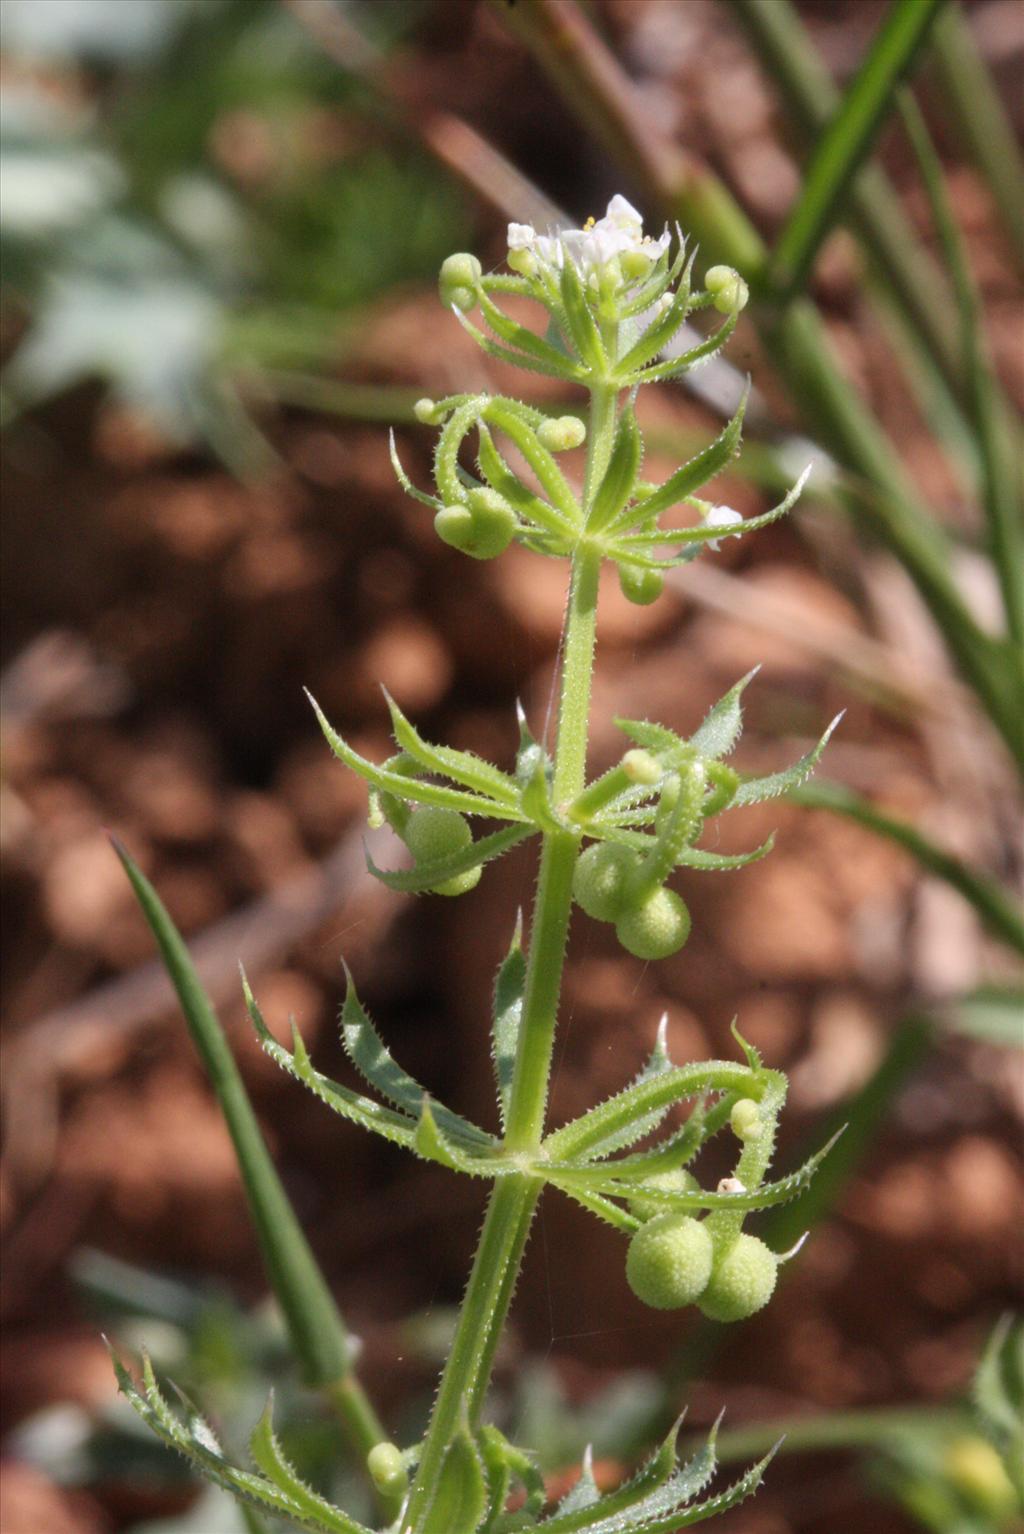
(460, 1397)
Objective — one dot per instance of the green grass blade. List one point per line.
(848, 141)
(316, 1329)
(788, 55)
(996, 908)
(1000, 472)
(973, 106)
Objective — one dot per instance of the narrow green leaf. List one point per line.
(688, 360)
(460, 1500)
(635, 543)
(407, 484)
(659, 1092)
(620, 476)
(565, 369)
(535, 800)
(372, 1058)
(428, 875)
(269, 1457)
(397, 1127)
(501, 478)
(463, 767)
(998, 1387)
(847, 142)
(757, 790)
(389, 781)
(509, 988)
(743, 1488)
(579, 1497)
(721, 727)
(659, 331)
(508, 417)
(316, 1329)
(592, 1512)
(596, 1203)
(766, 1196)
(434, 1144)
(583, 331)
(525, 340)
(995, 906)
(653, 737)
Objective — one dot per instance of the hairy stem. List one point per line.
(512, 1203)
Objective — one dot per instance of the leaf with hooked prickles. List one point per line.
(640, 546)
(620, 476)
(658, 332)
(535, 800)
(720, 729)
(433, 1144)
(501, 478)
(372, 1058)
(755, 790)
(583, 331)
(686, 1517)
(389, 781)
(430, 874)
(508, 1015)
(463, 767)
(269, 1457)
(689, 359)
(709, 462)
(526, 340)
(460, 1498)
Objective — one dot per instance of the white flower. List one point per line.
(619, 233)
(721, 516)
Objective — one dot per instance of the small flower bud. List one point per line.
(745, 1119)
(742, 1280)
(433, 832)
(669, 1261)
(600, 877)
(458, 281)
(676, 1180)
(385, 1468)
(522, 261)
(655, 928)
(558, 436)
(641, 767)
(639, 585)
(729, 291)
(730, 1185)
(424, 410)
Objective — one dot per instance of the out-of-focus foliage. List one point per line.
(187, 186)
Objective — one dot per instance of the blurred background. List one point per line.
(222, 223)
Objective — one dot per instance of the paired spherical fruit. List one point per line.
(658, 925)
(600, 878)
(742, 1280)
(483, 528)
(669, 1261)
(458, 280)
(433, 832)
(676, 1180)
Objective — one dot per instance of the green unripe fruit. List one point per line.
(669, 1261)
(600, 877)
(742, 1280)
(676, 1180)
(454, 526)
(658, 926)
(483, 528)
(745, 1119)
(562, 434)
(494, 523)
(424, 410)
(640, 586)
(458, 281)
(386, 1469)
(434, 832)
(729, 291)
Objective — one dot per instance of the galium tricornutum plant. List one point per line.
(613, 299)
